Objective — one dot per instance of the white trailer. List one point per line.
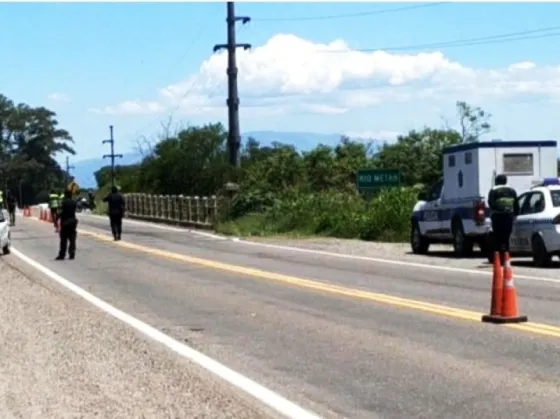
(454, 209)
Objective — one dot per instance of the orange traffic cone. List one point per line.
(497, 291)
(509, 312)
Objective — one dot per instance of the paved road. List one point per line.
(322, 331)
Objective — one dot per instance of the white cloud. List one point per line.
(131, 108)
(293, 75)
(59, 97)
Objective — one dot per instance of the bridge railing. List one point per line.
(198, 211)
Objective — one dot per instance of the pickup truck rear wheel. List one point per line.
(462, 245)
(418, 243)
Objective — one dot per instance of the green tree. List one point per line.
(418, 155)
(30, 140)
(474, 122)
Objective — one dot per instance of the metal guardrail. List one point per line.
(173, 209)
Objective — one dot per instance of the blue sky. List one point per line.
(98, 55)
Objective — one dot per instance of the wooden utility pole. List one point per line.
(112, 156)
(234, 136)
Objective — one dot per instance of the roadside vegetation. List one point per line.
(285, 192)
(30, 140)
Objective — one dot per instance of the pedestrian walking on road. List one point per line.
(115, 209)
(68, 227)
(12, 203)
(502, 201)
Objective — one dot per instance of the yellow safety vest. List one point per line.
(53, 201)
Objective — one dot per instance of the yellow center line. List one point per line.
(439, 309)
(443, 310)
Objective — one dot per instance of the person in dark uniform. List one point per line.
(503, 203)
(115, 208)
(91, 198)
(12, 203)
(68, 227)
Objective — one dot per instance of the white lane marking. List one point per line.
(339, 255)
(260, 393)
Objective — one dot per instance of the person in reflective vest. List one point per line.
(502, 201)
(54, 204)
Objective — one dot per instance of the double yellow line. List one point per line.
(437, 309)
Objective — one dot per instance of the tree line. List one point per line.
(30, 140)
(282, 190)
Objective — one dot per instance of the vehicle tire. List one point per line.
(462, 245)
(6, 250)
(418, 243)
(541, 257)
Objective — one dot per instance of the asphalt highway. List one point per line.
(340, 337)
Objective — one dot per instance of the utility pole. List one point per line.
(112, 156)
(68, 168)
(234, 136)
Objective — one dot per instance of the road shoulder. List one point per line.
(61, 357)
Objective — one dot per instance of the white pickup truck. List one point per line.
(5, 234)
(454, 209)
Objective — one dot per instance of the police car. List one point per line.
(536, 230)
(5, 236)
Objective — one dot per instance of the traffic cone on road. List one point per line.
(497, 290)
(509, 305)
(504, 296)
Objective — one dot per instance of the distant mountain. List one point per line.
(84, 170)
(303, 141)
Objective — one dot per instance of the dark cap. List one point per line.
(500, 179)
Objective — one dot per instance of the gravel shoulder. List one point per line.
(62, 358)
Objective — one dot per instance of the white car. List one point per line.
(536, 230)
(5, 236)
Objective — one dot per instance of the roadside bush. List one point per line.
(344, 215)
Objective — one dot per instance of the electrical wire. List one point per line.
(347, 15)
(135, 133)
(485, 40)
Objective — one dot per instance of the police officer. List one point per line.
(91, 198)
(11, 204)
(68, 227)
(502, 201)
(116, 208)
(54, 204)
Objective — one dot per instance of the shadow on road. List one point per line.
(529, 264)
(448, 254)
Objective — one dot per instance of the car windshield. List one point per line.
(555, 195)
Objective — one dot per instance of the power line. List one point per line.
(347, 15)
(156, 119)
(485, 40)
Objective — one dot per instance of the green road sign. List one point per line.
(374, 179)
